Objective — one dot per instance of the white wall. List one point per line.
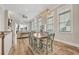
(72, 37)
(2, 19)
(4, 27)
(0, 46)
(1, 25)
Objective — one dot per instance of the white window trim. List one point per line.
(70, 20)
(63, 9)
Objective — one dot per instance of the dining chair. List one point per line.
(32, 40)
(48, 43)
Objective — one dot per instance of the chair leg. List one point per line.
(47, 47)
(51, 46)
(46, 50)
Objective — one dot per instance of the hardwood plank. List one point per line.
(59, 49)
(22, 48)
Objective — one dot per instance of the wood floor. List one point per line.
(59, 49)
(22, 48)
(64, 49)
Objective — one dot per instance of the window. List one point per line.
(50, 25)
(39, 24)
(64, 23)
(34, 25)
(22, 27)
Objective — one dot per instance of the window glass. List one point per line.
(64, 22)
(50, 25)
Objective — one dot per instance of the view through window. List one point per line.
(64, 22)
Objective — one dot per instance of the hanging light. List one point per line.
(24, 16)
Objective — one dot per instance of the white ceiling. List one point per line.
(30, 10)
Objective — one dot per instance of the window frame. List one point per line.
(63, 13)
(49, 24)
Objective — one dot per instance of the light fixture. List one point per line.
(24, 16)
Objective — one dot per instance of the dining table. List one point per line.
(42, 39)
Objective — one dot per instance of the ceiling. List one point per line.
(29, 10)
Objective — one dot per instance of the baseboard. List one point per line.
(69, 43)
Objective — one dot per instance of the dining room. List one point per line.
(42, 29)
